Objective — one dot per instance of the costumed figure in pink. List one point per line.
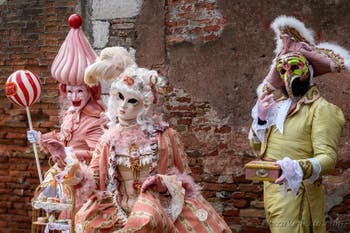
(139, 166)
(297, 128)
(81, 123)
(84, 121)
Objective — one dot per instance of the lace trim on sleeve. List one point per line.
(293, 175)
(259, 130)
(276, 116)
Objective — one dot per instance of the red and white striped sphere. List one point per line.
(23, 87)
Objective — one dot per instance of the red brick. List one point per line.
(212, 28)
(252, 213)
(3, 223)
(171, 40)
(231, 212)
(253, 229)
(240, 203)
(238, 195)
(342, 208)
(211, 186)
(196, 31)
(205, 6)
(15, 135)
(210, 37)
(197, 170)
(171, 23)
(249, 188)
(184, 16)
(347, 199)
(229, 187)
(184, 121)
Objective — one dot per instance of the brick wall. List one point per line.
(205, 48)
(193, 21)
(31, 34)
(217, 154)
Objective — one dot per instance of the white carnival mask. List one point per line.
(78, 95)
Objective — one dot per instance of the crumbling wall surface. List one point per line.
(214, 53)
(31, 33)
(217, 52)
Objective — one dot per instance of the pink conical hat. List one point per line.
(74, 55)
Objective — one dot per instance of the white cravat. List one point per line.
(276, 116)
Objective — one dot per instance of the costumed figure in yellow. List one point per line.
(297, 128)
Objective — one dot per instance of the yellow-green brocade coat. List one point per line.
(311, 132)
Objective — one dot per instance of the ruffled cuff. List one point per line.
(252, 137)
(293, 175)
(70, 156)
(316, 170)
(257, 129)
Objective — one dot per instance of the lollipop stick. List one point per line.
(34, 145)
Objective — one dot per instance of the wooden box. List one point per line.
(262, 170)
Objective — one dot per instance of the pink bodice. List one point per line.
(80, 130)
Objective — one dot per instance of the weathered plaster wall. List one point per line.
(214, 52)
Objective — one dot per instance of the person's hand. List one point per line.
(265, 102)
(82, 155)
(156, 182)
(33, 136)
(57, 151)
(280, 179)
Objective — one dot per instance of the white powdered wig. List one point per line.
(145, 86)
(338, 50)
(284, 21)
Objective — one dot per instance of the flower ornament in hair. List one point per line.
(128, 81)
(153, 80)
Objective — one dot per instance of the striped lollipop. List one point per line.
(23, 88)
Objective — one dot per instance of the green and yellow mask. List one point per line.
(291, 67)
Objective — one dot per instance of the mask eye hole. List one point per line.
(132, 101)
(294, 67)
(283, 71)
(120, 95)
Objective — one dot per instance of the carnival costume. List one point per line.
(81, 127)
(294, 126)
(141, 170)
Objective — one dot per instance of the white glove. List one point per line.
(33, 136)
(70, 156)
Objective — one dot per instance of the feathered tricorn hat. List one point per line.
(293, 36)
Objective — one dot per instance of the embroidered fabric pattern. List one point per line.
(315, 172)
(135, 149)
